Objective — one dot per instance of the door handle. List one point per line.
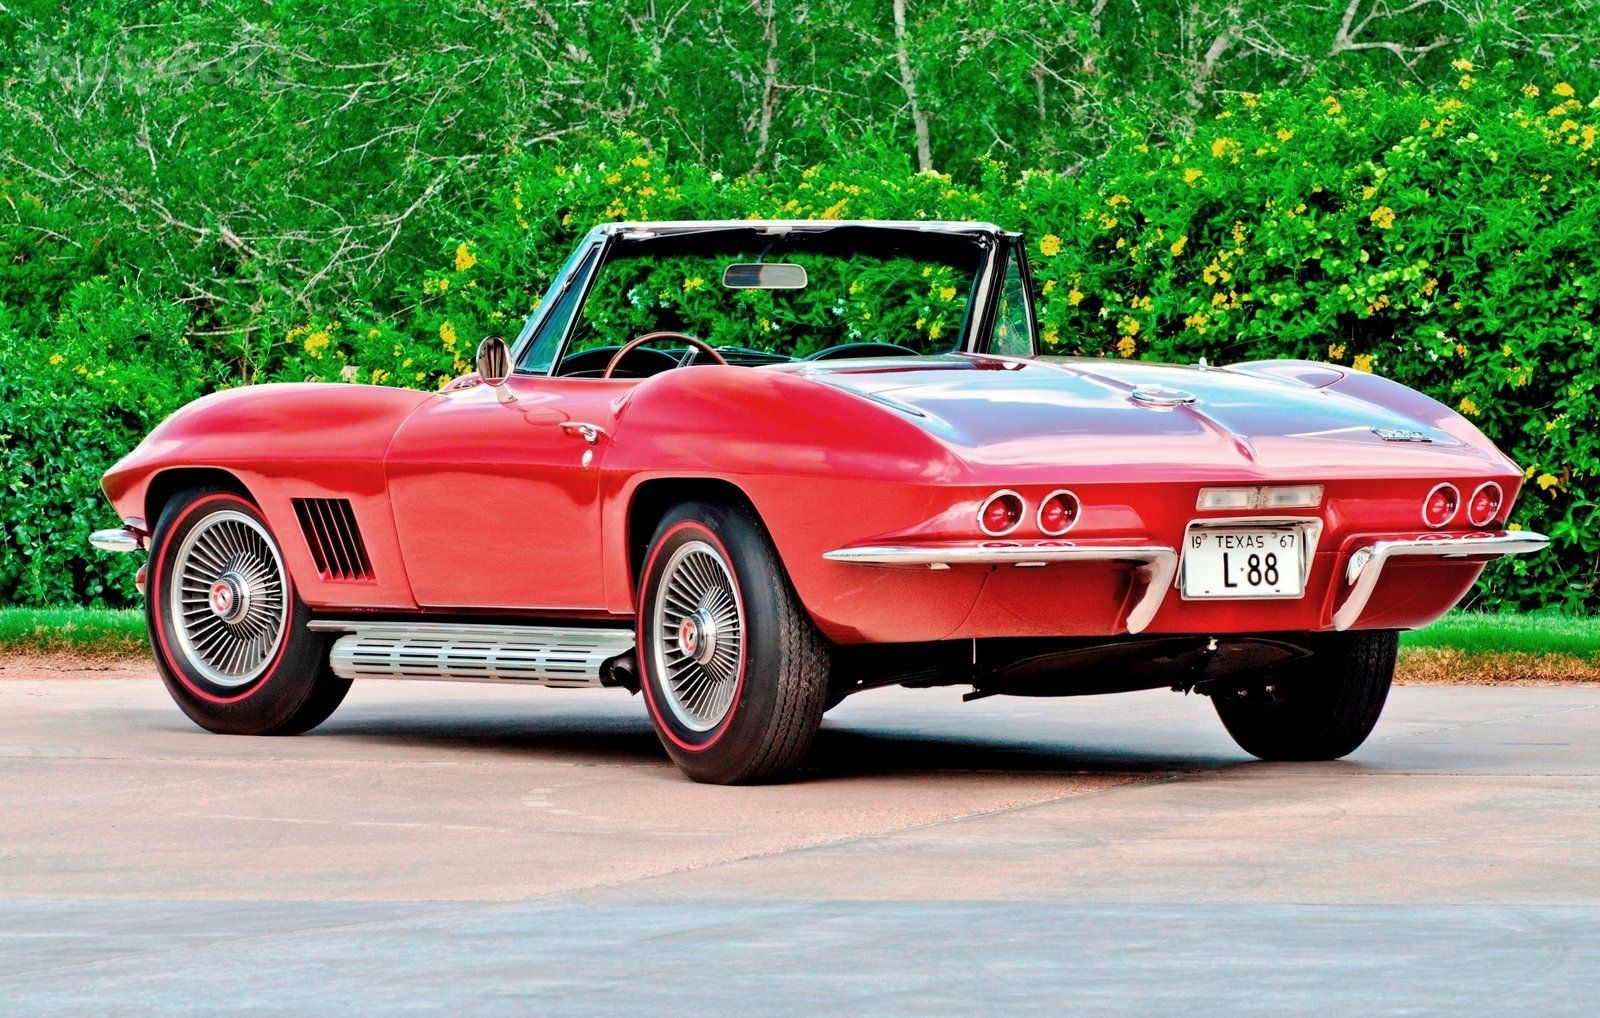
(591, 433)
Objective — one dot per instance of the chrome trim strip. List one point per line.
(117, 539)
(539, 655)
(1367, 562)
(1157, 564)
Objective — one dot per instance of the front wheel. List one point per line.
(230, 637)
(1323, 712)
(734, 672)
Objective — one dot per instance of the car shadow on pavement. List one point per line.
(842, 750)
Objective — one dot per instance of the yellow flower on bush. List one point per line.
(1222, 147)
(1335, 351)
(1566, 91)
(1284, 134)
(1178, 245)
(1531, 91)
(1548, 481)
(1117, 200)
(56, 360)
(465, 259)
(1074, 296)
(1462, 64)
(1382, 216)
(1191, 175)
(1468, 406)
(447, 335)
(317, 342)
(1126, 346)
(1049, 245)
(694, 283)
(1362, 362)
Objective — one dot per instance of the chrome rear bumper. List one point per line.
(1154, 564)
(1366, 563)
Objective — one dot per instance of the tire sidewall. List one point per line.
(743, 548)
(273, 697)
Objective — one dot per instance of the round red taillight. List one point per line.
(1484, 505)
(1000, 513)
(1440, 506)
(1058, 512)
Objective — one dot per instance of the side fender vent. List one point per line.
(335, 541)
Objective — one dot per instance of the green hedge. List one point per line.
(1445, 238)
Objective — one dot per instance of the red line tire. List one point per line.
(734, 672)
(228, 632)
(1326, 709)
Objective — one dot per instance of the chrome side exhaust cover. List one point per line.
(536, 655)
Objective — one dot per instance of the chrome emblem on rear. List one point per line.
(1160, 395)
(1400, 435)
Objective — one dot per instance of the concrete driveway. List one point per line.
(442, 847)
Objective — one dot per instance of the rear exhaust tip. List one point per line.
(621, 671)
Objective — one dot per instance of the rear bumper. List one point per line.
(1345, 589)
(1366, 560)
(1154, 565)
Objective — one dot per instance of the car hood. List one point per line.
(1048, 412)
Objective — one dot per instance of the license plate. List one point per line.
(1244, 562)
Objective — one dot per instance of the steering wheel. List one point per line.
(861, 350)
(650, 337)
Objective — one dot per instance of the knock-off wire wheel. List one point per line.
(699, 636)
(228, 602)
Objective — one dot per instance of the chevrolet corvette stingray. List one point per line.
(751, 468)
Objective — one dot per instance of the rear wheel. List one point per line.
(734, 672)
(1326, 710)
(229, 634)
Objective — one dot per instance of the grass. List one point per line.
(1461, 647)
(102, 633)
(1479, 633)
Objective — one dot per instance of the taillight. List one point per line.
(1058, 512)
(1440, 506)
(1484, 505)
(1000, 513)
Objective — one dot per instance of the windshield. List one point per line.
(764, 299)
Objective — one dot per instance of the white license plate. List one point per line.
(1244, 562)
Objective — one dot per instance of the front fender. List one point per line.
(282, 442)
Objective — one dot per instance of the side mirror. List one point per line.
(494, 366)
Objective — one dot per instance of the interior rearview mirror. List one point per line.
(494, 366)
(764, 276)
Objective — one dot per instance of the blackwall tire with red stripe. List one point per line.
(1326, 709)
(734, 672)
(228, 631)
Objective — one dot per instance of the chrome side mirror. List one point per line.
(494, 366)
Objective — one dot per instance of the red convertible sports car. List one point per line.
(750, 468)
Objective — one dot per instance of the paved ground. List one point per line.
(469, 847)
